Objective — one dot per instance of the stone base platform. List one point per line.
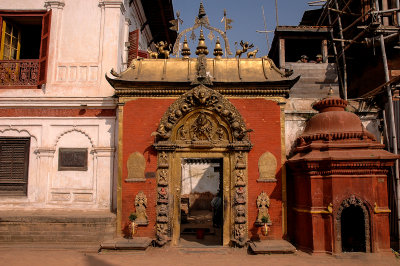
(136, 243)
(272, 247)
(56, 226)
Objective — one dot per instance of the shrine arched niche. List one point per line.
(202, 124)
(353, 226)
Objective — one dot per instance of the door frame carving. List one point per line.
(232, 147)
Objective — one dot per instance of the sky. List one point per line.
(247, 18)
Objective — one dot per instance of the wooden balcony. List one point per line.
(19, 73)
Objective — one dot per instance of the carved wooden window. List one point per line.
(10, 41)
(134, 51)
(14, 163)
(24, 48)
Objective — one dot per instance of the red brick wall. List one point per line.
(141, 118)
(263, 116)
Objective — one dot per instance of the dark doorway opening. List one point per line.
(353, 229)
(201, 202)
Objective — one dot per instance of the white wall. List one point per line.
(50, 188)
(87, 40)
(199, 178)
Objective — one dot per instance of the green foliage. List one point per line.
(264, 219)
(133, 216)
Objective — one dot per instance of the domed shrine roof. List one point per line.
(335, 134)
(334, 123)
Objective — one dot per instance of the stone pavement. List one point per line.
(88, 256)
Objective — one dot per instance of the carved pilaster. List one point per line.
(240, 210)
(162, 199)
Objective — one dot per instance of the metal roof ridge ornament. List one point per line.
(201, 21)
(202, 76)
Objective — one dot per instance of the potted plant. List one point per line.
(133, 225)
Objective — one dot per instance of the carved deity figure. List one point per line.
(162, 195)
(163, 177)
(240, 161)
(240, 195)
(163, 160)
(162, 216)
(263, 206)
(141, 205)
(202, 128)
(240, 214)
(162, 234)
(240, 234)
(240, 178)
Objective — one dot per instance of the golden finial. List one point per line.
(202, 11)
(185, 49)
(218, 50)
(201, 46)
(330, 92)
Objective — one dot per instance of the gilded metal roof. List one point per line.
(226, 70)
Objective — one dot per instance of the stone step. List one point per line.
(56, 226)
(136, 243)
(272, 247)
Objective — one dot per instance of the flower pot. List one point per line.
(265, 229)
(133, 228)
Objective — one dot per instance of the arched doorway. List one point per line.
(353, 230)
(202, 126)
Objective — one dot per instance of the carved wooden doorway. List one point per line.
(202, 124)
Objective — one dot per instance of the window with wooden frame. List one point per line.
(24, 47)
(14, 165)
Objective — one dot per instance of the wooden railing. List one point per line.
(19, 73)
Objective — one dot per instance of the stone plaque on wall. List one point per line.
(136, 165)
(267, 167)
(72, 159)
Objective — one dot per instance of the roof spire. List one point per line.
(202, 11)
(201, 46)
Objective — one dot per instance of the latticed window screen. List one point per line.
(14, 158)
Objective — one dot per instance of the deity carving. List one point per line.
(163, 177)
(240, 234)
(141, 205)
(162, 234)
(240, 195)
(162, 211)
(162, 195)
(240, 161)
(263, 204)
(240, 214)
(209, 100)
(163, 160)
(202, 128)
(240, 178)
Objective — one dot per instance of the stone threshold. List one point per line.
(271, 247)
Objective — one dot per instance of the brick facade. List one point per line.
(142, 116)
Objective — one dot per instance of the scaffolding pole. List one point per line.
(392, 121)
